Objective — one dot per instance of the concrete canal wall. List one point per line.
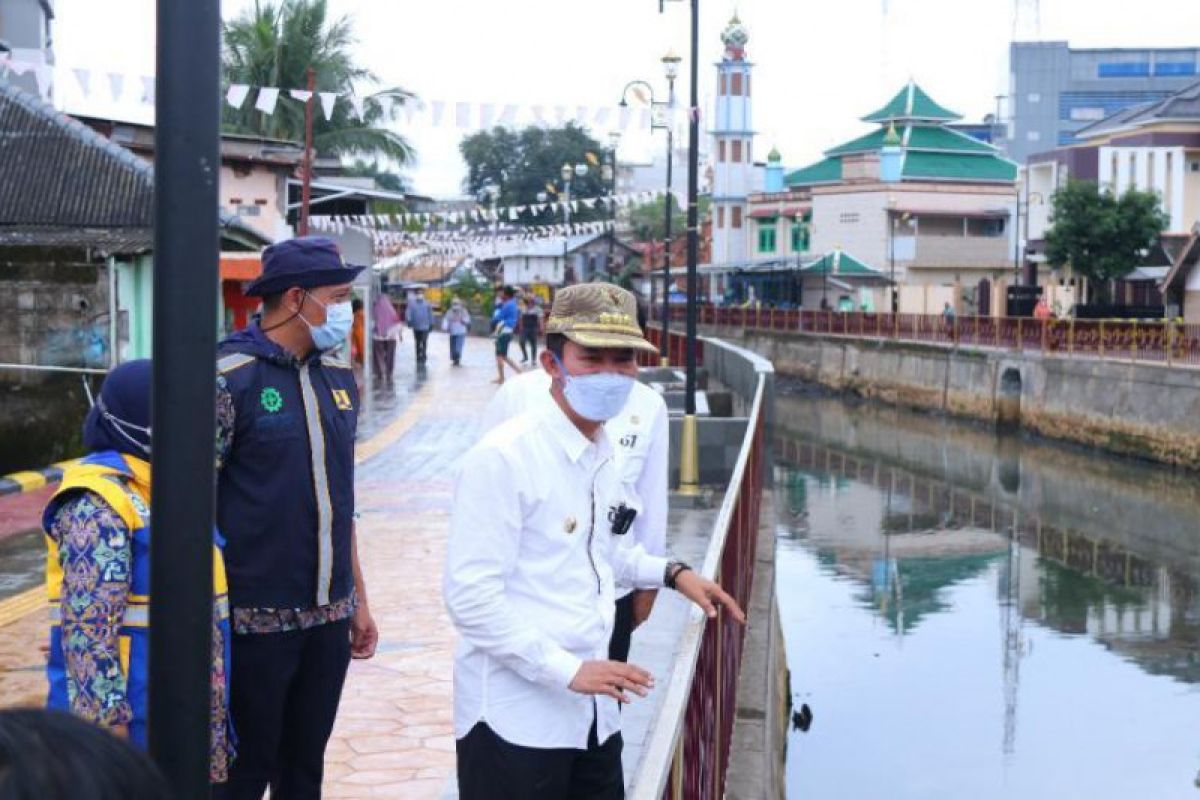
(1144, 410)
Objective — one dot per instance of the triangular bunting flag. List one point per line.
(237, 94)
(268, 96)
(84, 78)
(116, 85)
(328, 99)
(303, 95)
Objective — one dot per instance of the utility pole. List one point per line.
(306, 189)
(689, 474)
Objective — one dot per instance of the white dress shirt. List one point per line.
(531, 568)
(640, 435)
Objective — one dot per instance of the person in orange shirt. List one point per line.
(1042, 309)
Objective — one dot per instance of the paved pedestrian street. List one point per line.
(394, 735)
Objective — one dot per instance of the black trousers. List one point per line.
(284, 693)
(618, 645)
(420, 338)
(530, 341)
(490, 768)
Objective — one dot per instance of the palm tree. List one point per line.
(274, 44)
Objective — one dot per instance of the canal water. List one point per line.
(979, 616)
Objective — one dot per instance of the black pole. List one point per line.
(693, 241)
(892, 229)
(670, 202)
(186, 252)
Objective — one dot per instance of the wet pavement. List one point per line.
(977, 616)
(394, 735)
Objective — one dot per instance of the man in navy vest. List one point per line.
(287, 412)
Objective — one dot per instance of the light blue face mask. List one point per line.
(598, 397)
(339, 317)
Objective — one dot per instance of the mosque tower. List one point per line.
(733, 148)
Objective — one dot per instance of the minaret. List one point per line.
(733, 148)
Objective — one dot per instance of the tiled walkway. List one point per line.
(394, 737)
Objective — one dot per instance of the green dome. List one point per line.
(774, 157)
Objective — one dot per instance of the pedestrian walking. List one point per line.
(385, 334)
(504, 323)
(287, 414)
(640, 434)
(456, 322)
(419, 316)
(97, 528)
(529, 328)
(531, 567)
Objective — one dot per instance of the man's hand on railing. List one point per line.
(612, 678)
(706, 594)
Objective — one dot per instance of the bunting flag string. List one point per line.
(457, 113)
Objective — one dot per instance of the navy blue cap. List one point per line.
(306, 262)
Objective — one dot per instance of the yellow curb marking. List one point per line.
(21, 605)
(28, 480)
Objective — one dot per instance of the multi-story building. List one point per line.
(1152, 147)
(1055, 91)
(25, 39)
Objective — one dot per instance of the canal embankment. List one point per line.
(1143, 410)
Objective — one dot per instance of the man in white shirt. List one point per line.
(532, 566)
(640, 434)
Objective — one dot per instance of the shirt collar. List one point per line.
(570, 438)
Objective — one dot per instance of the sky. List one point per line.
(818, 67)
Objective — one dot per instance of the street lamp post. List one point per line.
(689, 464)
(671, 69)
(608, 173)
(892, 229)
(567, 172)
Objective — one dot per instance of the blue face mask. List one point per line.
(598, 397)
(339, 317)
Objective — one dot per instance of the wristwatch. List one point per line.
(671, 573)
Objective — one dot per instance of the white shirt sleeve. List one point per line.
(634, 568)
(650, 525)
(485, 538)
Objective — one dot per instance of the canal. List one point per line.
(970, 615)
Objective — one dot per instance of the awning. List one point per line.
(989, 213)
(778, 211)
(240, 266)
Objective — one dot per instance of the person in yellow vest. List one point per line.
(97, 529)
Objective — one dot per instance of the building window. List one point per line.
(799, 237)
(747, 84)
(735, 84)
(1150, 170)
(991, 228)
(1034, 97)
(737, 151)
(766, 236)
(721, 152)
(724, 84)
(848, 218)
(1169, 183)
(1124, 69)
(1112, 182)
(1033, 136)
(749, 151)
(720, 216)
(737, 216)
(1175, 68)
(1133, 181)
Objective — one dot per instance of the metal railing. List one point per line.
(687, 752)
(676, 349)
(1167, 342)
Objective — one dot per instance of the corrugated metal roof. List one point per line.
(57, 173)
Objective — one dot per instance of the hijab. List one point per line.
(120, 418)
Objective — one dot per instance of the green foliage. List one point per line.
(523, 163)
(274, 44)
(1101, 236)
(478, 296)
(648, 220)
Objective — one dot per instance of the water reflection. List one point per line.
(944, 590)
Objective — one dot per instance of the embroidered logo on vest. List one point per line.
(341, 399)
(271, 400)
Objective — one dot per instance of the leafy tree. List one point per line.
(648, 220)
(384, 178)
(274, 44)
(523, 163)
(1100, 235)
